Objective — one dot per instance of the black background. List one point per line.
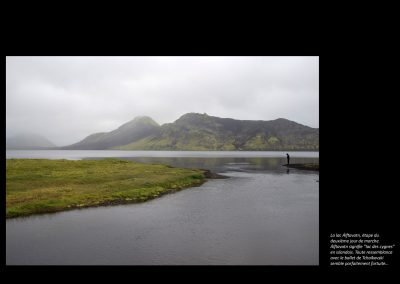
(358, 125)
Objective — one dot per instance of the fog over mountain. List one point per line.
(28, 141)
(66, 99)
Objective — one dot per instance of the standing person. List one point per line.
(288, 158)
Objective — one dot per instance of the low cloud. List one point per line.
(68, 98)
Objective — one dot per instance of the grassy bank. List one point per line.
(36, 186)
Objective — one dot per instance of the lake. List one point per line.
(262, 214)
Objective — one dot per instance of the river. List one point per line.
(262, 214)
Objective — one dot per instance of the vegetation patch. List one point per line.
(42, 186)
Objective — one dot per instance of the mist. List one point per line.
(66, 99)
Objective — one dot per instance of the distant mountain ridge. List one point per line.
(139, 127)
(28, 141)
(197, 132)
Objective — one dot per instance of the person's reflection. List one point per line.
(287, 170)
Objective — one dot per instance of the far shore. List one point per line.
(160, 150)
(307, 166)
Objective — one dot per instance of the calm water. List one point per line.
(262, 214)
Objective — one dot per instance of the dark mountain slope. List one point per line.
(194, 131)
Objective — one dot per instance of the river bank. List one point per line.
(36, 186)
(308, 166)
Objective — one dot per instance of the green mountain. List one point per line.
(136, 129)
(195, 131)
(28, 141)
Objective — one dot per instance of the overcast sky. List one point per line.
(68, 98)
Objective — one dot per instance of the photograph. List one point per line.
(162, 160)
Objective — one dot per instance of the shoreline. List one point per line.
(41, 186)
(114, 202)
(208, 175)
(307, 166)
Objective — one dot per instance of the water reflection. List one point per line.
(223, 165)
(260, 215)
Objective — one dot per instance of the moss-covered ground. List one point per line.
(36, 186)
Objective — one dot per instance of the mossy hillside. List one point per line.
(191, 140)
(41, 186)
(198, 132)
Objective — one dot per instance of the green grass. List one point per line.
(36, 186)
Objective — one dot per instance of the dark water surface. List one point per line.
(262, 214)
